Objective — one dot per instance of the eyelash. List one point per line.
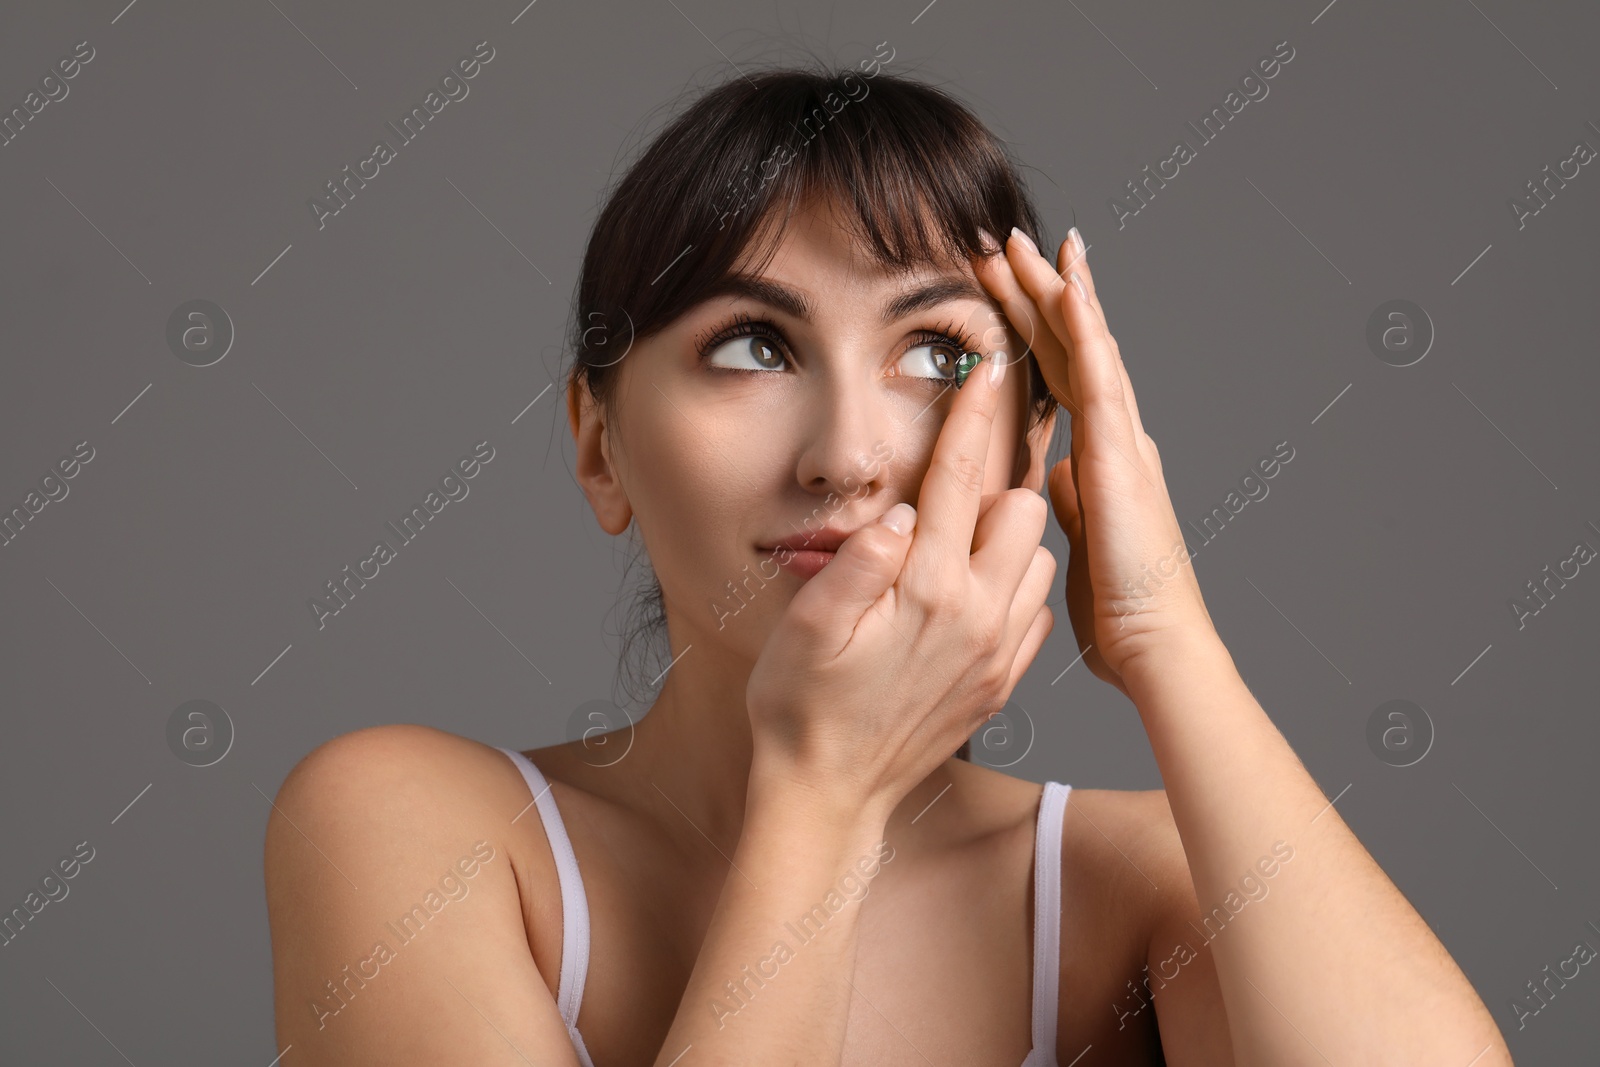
(745, 325)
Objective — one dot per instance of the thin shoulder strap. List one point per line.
(1047, 916)
(574, 904)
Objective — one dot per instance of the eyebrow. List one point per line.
(795, 303)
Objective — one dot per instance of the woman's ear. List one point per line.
(596, 472)
(1034, 453)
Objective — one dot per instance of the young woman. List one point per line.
(786, 864)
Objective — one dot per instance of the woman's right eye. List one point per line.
(751, 352)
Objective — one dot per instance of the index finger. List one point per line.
(947, 504)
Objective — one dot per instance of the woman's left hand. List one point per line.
(1130, 586)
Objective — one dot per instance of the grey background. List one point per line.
(1379, 567)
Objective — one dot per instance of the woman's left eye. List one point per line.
(936, 359)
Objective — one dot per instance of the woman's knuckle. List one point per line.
(967, 472)
(876, 550)
(987, 633)
(996, 683)
(942, 604)
(1030, 503)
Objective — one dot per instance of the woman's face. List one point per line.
(804, 405)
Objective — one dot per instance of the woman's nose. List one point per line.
(846, 433)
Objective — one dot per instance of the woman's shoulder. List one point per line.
(397, 765)
(1121, 856)
(1140, 817)
(380, 835)
(1122, 875)
(394, 791)
(1123, 879)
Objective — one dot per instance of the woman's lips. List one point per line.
(805, 562)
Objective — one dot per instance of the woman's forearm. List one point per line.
(772, 983)
(1331, 960)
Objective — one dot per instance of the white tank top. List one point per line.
(1046, 920)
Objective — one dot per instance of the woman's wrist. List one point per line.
(1183, 657)
(796, 805)
(818, 852)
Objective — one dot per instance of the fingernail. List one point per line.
(990, 243)
(900, 518)
(1025, 240)
(1075, 241)
(997, 366)
(1077, 282)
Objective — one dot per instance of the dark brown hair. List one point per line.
(915, 173)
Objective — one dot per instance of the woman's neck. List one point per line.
(686, 768)
(689, 764)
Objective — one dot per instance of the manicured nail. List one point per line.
(900, 518)
(1075, 242)
(997, 366)
(1025, 240)
(990, 244)
(1077, 282)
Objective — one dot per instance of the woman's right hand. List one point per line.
(906, 642)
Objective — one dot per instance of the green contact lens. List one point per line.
(966, 363)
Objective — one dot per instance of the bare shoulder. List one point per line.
(1108, 835)
(992, 801)
(404, 759)
(396, 913)
(1125, 825)
(1121, 860)
(1125, 886)
(1134, 963)
(384, 798)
